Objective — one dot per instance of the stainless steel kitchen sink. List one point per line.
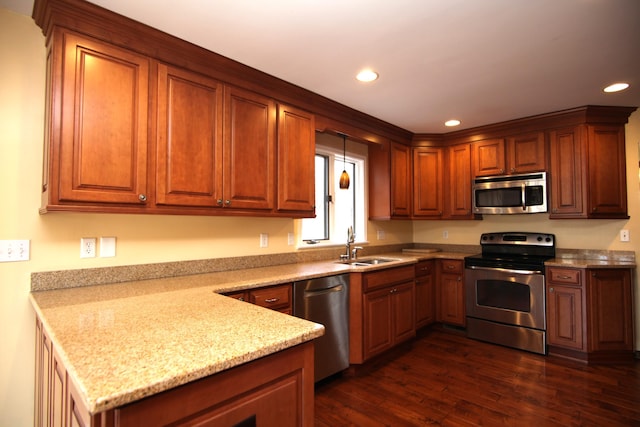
(370, 261)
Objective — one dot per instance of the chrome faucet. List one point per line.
(352, 253)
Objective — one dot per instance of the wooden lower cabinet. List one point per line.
(589, 314)
(425, 293)
(274, 390)
(277, 298)
(382, 311)
(450, 296)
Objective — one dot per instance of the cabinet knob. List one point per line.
(219, 202)
(227, 202)
(550, 290)
(142, 197)
(513, 170)
(501, 170)
(459, 279)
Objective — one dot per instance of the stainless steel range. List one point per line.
(505, 289)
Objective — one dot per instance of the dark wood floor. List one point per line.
(443, 378)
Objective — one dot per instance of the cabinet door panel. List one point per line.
(377, 313)
(451, 300)
(564, 311)
(527, 153)
(400, 180)
(427, 182)
(567, 173)
(458, 194)
(607, 178)
(103, 147)
(609, 298)
(425, 300)
(249, 150)
(296, 160)
(189, 152)
(404, 323)
(488, 157)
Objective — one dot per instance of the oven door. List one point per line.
(513, 297)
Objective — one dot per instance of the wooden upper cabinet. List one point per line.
(427, 182)
(567, 175)
(458, 183)
(607, 172)
(189, 144)
(527, 153)
(588, 172)
(249, 150)
(296, 160)
(400, 180)
(489, 157)
(379, 173)
(100, 152)
(517, 154)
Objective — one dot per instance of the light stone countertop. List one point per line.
(125, 341)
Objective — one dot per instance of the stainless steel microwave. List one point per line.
(510, 194)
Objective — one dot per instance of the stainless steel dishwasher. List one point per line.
(325, 300)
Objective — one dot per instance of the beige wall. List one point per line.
(147, 239)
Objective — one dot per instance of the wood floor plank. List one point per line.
(447, 379)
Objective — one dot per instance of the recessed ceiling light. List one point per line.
(367, 76)
(616, 87)
(452, 122)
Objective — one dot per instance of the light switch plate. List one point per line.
(107, 247)
(14, 250)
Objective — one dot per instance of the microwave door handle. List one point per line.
(524, 201)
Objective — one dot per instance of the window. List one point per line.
(337, 209)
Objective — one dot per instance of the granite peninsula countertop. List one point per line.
(125, 341)
(122, 342)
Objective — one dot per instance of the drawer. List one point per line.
(275, 297)
(451, 265)
(382, 278)
(424, 268)
(570, 276)
(240, 295)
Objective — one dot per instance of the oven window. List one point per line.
(503, 294)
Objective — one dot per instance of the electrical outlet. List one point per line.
(14, 250)
(381, 235)
(264, 240)
(290, 239)
(624, 235)
(445, 234)
(88, 247)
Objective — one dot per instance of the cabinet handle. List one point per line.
(501, 170)
(241, 299)
(271, 300)
(513, 170)
(459, 279)
(227, 202)
(142, 197)
(219, 202)
(550, 290)
(563, 277)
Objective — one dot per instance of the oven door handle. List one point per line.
(506, 270)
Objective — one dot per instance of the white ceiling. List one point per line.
(481, 61)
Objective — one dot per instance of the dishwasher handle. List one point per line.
(323, 291)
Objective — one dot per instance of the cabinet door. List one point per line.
(564, 317)
(403, 303)
(452, 299)
(427, 182)
(377, 313)
(527, 153)
(488, 157)
(568, 186)
(104, 119)
(458, 194)
(189, 151)
(425, 294)
(249, 150)
(296, 160)
(607, 172)
(400, 181)
(609, 301)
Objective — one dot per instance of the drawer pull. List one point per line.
(271, 300)
(564, 277)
